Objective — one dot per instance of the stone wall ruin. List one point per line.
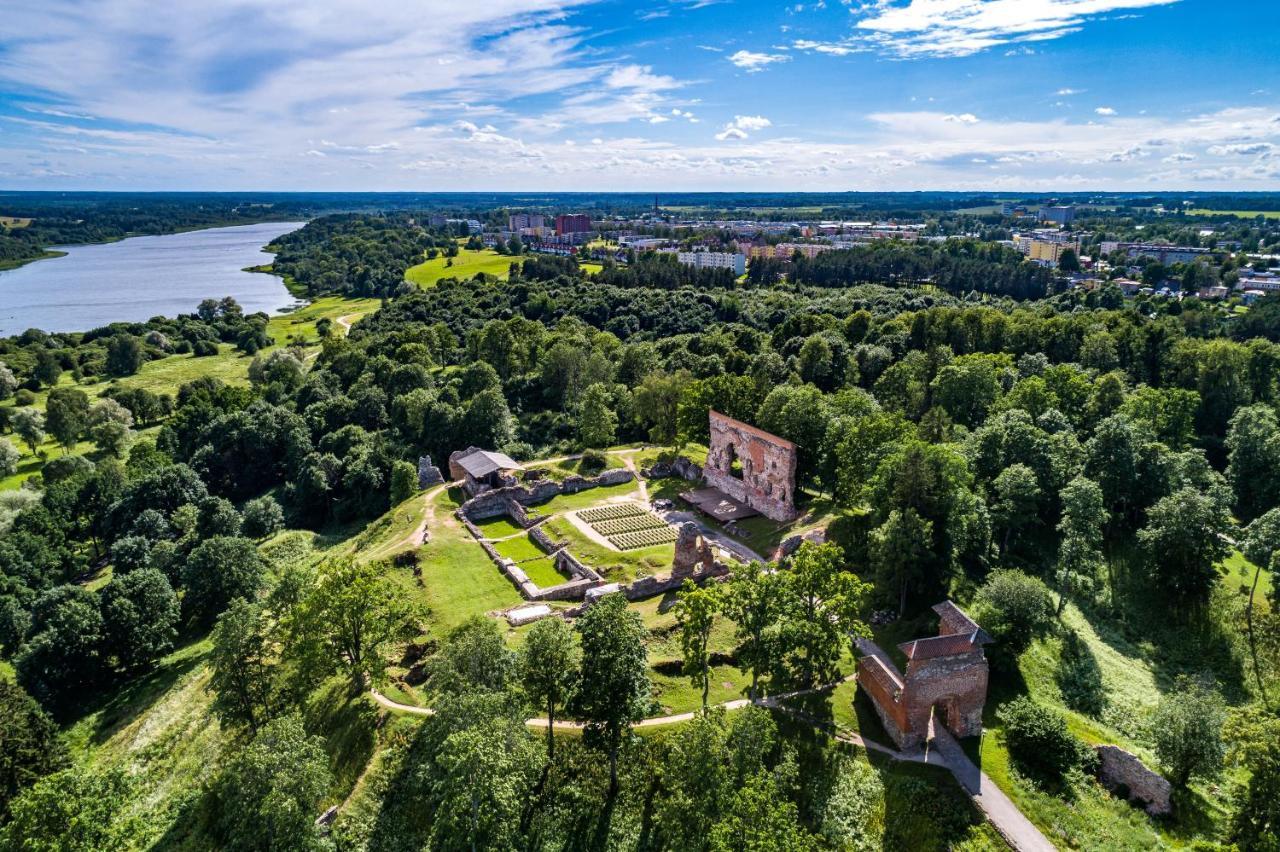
(752, 467)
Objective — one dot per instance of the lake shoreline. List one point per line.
(142, 277)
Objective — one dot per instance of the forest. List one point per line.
(1047, 459)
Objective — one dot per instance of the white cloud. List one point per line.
(737, 129)
(941, 28)
(1105, 111)
(1243, 149)
(1068, 92)
(754, 62)
(1180, 157)
(963, 118)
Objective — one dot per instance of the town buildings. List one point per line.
(714, 260)
(573, 223)
(1166, 254)
(1062, 214)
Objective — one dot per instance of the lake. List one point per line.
(142, 277)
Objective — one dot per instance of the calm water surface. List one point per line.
(142, 277)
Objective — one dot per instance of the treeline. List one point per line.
(955, 266)
(355, 254)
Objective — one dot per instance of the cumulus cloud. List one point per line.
(754, 62)
(1105, 110)
(741, 124)
(963, 118)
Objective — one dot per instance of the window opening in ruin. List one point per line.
(734, 465)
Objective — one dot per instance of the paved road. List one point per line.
(1016, 829)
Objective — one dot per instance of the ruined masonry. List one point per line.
(948, 672)
(764, 477)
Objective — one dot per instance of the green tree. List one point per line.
(1253, 460)
(1080, 548)
(75, 810)
(404, 481)
(475, 658)
(761, 819)
(1069, 261)
(140, 616)
(656, 401)
(241, 674)
(1014, 608)
(124, 355)
(9, 457)
(1016, 503)
(820, 607)
(696, 781)
(696, 609)
(47, 369)
(1187, 729)
(268, 796)
(352, 614)
(1255, 821)
(262, 518)
(29, 748)
(751, 602)
(899, 549)
(67, 415)
(109, 425)
(1184, 540)
(597, 421)
(549, 663)
(64, 651)
(486, 775)
(1039, 740)
(218, 571)
(487, 419)
(614, 683)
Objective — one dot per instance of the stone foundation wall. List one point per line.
(647, 587)
(1120, 771)
(682, 467)
(767, 478)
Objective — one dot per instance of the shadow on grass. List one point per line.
(122, 703)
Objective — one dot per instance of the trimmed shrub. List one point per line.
(1039, 741)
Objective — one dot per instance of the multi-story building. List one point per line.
(1166, 254)
(1048, 252)
(714, 260)
(785, 251)
(573, 223)
(1062, 214)
(523, 221)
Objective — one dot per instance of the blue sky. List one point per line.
(671, 94)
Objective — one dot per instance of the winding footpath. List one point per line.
(941, 750)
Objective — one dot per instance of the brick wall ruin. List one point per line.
(752, 466)
(947, 672)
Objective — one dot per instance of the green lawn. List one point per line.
(499, 527)
(519, 549)
(467, 264)
(1243, 214)
(613, 565)
(543, 572)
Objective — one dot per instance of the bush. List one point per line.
(593, 461)
(1039, 741)
(23, 397)
(262, 518)
(404, 482)
(203, 348)
(1015, 609)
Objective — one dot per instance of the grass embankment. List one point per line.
(166, 375)
(44, 255)
(1106, 678)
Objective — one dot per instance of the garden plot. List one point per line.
(628, 526)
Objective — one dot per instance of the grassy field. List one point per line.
(12, 222)
(467, 264)
(1242, 214)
